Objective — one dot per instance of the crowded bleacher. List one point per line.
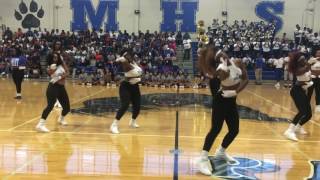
(91, 55)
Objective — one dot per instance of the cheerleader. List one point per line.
(233, 78)
(56, 90)
(129, 91)
(18, 65)
(299, 93)
(315, 71)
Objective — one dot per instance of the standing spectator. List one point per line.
(179, 39)
(187, 49)
(258, 69)
(278, 63)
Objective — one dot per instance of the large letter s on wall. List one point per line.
(268, 11)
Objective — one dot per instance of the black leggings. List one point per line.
(54, 92)
(129, 93)
(18, 76)
(302, 102)
(224, 109)
(214, 86)
(316, 88)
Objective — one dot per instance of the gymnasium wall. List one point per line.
(165, 15)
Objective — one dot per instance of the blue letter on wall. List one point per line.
(268, 11)
(84, 8)
(183, 10)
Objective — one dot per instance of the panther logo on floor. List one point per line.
(102, 106)
(29, 16)
(246, 168)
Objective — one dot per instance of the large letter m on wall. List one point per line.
(83, 10)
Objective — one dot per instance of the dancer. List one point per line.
(315, 71)
(56, 90)
(129, 91)
(57, 48)
(234, 79)
(299, 67)
(18, 65)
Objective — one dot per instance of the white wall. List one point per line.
(151, 16)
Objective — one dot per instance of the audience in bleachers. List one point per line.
(91, 54)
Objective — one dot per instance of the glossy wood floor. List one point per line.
(86, 150)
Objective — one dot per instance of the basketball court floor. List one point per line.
(167, 144)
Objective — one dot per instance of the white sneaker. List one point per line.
(224, 156)
(62, 121)
(277, 86)
(114, 128)
(41, 127)
(290, 135)
(204, 167)
(300, 130)
(317, 108)
(133, 123)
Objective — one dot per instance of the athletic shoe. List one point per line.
(290, 135)
(114, 128)
(62, 121)
(317, 108)
(204, 167)
(41, 126)
(277, 86)
(224, 156)
(300, 130)
(133, 123)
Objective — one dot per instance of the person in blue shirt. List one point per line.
(258, 69)
(18, 65)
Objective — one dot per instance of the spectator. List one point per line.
(258, 69)
(187, 49)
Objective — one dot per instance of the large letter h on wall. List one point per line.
(179, 10)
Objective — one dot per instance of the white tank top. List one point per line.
(234, 77)
(58, 72)
(306, 77)
(316, 66)
(134, 74)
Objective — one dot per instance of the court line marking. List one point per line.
(282, 107)
(53, 147)
(292, 144)
(36, 118)
(159, 135)
(311, 173)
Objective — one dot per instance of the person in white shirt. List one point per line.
(278, 63)
(256, 48)
(315, 74)
(187, 48)
(129, 90)
(276, 47)
(266, 49)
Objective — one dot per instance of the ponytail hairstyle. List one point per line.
(295, 59)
